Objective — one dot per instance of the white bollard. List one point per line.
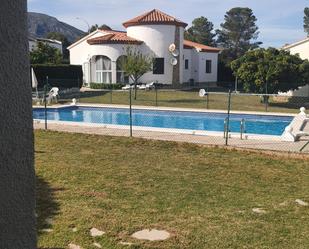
(74, 101)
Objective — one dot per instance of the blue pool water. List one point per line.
(254, 124)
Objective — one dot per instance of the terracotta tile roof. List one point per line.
(190, 45)
(114, 37)
(154, 17)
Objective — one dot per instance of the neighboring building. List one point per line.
(300, 47)
(33, 42)
(152, 33)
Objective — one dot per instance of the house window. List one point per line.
(103, 66)
(158, 66)
(186, 64)
(208, 66)
(121, 76)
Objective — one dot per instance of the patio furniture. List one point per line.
(127, 87)
(150, 86)
(141, 87)
(52, 95)
(295, 130)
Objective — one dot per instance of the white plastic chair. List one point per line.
(53, 95)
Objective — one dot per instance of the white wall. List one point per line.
(84, 52)
(197, 66)
(302, 91)
(157, 39)
(301, 49)
(188, 73)
(202, 75)
(80, 52)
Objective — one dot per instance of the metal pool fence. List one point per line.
(251, 121)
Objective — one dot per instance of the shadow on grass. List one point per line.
(47, 207)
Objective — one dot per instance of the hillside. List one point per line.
(40, 25)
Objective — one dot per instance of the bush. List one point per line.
(62, 76)
(113, 86)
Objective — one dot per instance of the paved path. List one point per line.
(165, 136)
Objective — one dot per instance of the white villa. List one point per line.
(300, 47)
(156, 34)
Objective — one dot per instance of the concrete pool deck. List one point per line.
(162, 108)
(268, 145)
(264, 143)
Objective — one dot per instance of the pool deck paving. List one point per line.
(267, 145)
(163, 108)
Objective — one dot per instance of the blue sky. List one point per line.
(279, 21)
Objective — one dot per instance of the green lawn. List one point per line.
(203, 196)
(190, 99)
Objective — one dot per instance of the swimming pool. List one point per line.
(202, 121)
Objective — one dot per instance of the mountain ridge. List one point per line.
(39, 25)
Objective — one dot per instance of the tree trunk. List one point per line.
(17, 176)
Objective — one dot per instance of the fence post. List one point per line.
(111, 93)
(45, 106)
(224, 128)
(242, 128)
(156, 89)
(266, 97)
(130, 116)
(266, 103)
(228, 119)
(79, 87)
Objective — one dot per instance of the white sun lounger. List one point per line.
(127, 87)
(141, 87)
(295, 130)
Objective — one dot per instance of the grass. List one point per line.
(202, 196)
(190, 99)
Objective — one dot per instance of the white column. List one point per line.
(114, 72)
(92, 75)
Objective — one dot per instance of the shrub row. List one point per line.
(113, 86)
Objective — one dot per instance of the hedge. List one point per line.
(62, 76)
(225, 73)
(116, 86)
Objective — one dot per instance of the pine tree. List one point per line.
(201, 31)
(238, 33)
(306, 20)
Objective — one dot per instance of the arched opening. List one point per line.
(121, 76)
(103, 66)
